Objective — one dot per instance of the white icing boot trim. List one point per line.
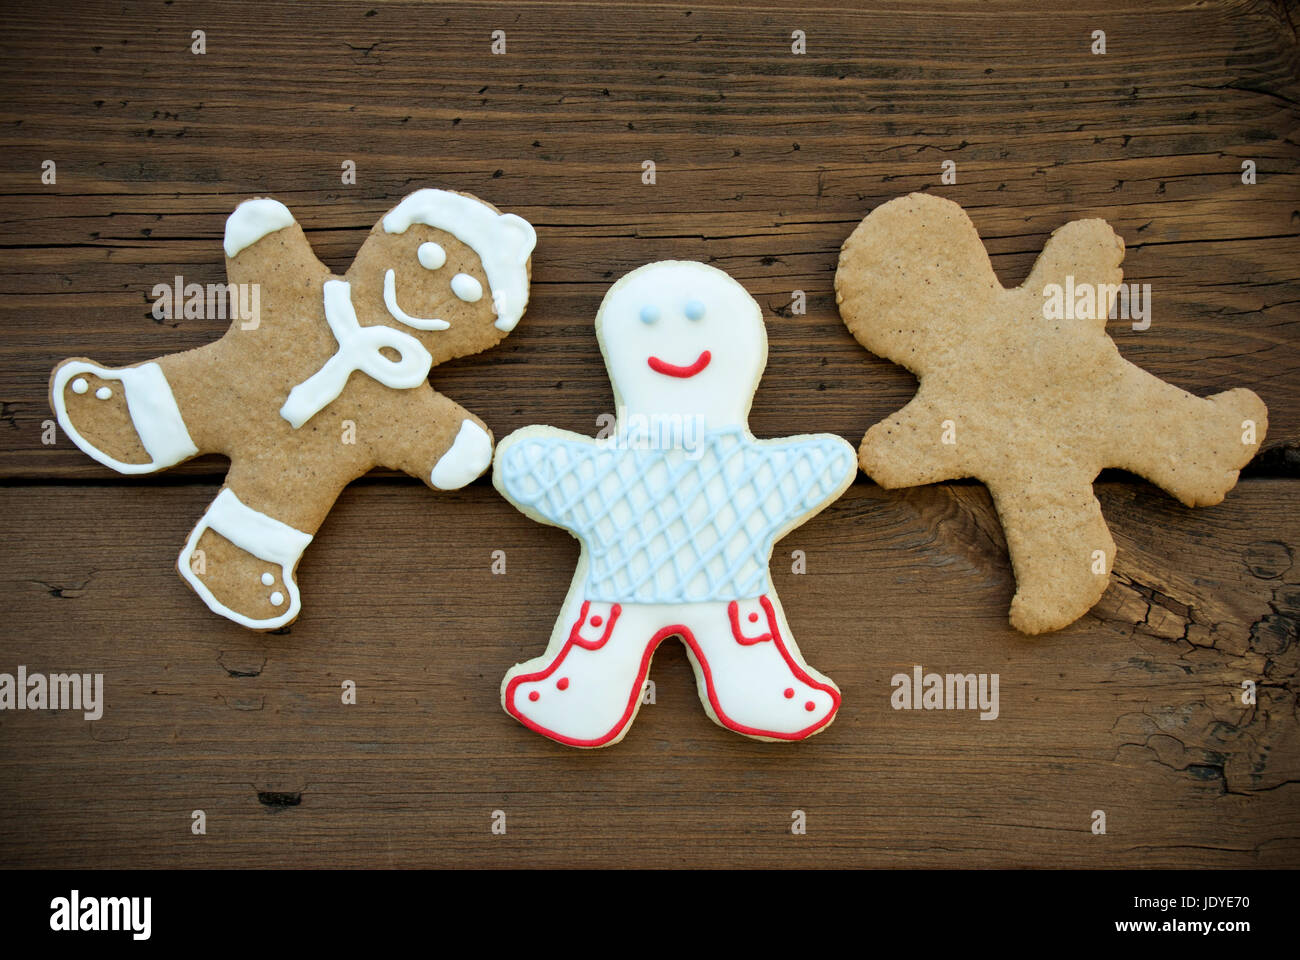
(152, 407)
(253, 220)
(469, 456)
(253, 532)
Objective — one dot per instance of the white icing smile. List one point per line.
(400, 315)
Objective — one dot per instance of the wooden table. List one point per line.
(764, 161)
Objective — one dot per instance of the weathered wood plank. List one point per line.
(1134, 710)
(765, 162)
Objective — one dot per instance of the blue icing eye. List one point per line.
(694, 310)
(649, 313)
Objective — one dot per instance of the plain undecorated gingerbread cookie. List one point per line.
(1033, 407)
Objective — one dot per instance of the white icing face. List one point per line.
(682, 338)
(433, 258)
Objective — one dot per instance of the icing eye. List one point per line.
(431, 255)
(467, 288)
(694, 310)
(649, 313)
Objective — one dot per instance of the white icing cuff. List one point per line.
(152, 408)
(253, 532)
(468, 457)
(253, 220)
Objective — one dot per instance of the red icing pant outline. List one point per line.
(575, 639)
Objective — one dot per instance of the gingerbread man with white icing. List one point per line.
(327, 382)
(676, 513)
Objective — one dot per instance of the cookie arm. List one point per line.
(823, 463)
(1190, 446)
(1061, 552)
(532, 464)
(909, 448)
(1080, 253)
(436, 440)
(265, 246)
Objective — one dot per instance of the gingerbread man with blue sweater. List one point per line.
(677, 512)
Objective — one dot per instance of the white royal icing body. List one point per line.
(606, 677)
(673, 533)
(674, 525)
(731, 330)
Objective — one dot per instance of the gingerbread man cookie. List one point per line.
(676, 513)
(328, 380)
(1032, 407)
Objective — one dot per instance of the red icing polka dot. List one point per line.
(597, 620)
(753, 618)
(810, 706)
(789, 693)
(562, 683)
(534, 696)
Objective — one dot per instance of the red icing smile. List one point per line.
(672, 370)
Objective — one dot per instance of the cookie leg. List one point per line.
(1061, 552)
(126, 418)
(241, 561)
(1191, 447)
(750, 675)
(588, 694)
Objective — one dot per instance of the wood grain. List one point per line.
(1134, 710)
(764, 162)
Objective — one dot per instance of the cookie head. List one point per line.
(683, 338)
(910, 271)
(449, 267)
